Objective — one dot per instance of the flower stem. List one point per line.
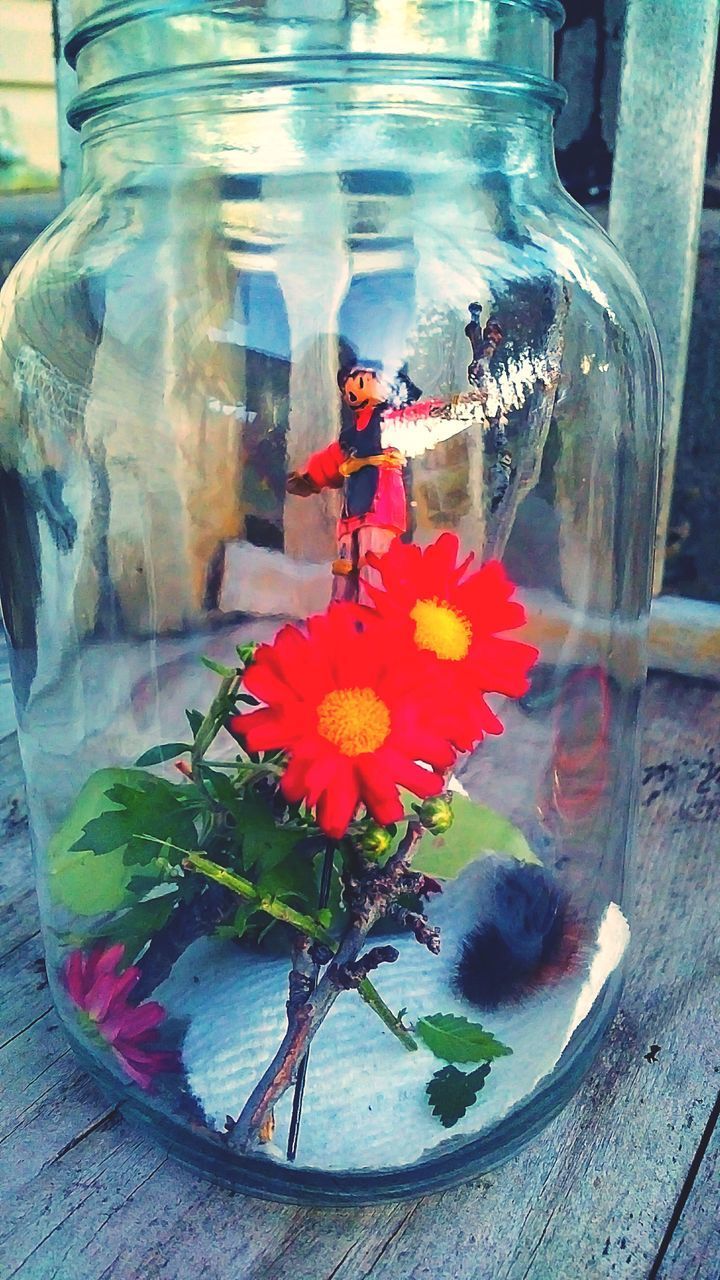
(393, 1021)
(209, 728)
(270, 905)
(216, 715)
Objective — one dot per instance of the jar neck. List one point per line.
(129, 53)
(444, 133)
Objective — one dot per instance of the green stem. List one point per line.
(271, 906)
(392, 1021)
(211, 724)
(215, 717)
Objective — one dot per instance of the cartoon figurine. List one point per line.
(374, 502)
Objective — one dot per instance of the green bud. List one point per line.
(375, 841)
(246, 652)
(436, 815)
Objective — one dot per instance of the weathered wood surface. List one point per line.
(657, 186)
(622, 1183)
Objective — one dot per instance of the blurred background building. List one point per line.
(589, 57)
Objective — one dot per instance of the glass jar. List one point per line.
(330, 818)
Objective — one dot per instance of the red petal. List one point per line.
(262, 730)
(378, 788)
(292, 783)
(338, 804)
(122, 988)
(132, 1023)
(422, 782)
(142, 1078)
(104, 960)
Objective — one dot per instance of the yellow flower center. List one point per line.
(354, 720)
(445, 631)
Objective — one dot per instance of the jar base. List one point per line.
(265, 1179)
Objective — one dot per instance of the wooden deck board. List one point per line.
(87, 1197)
(693, 1251)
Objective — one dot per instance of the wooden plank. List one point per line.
(693, 1251)
(684, 635)
(87, 1197)
(658, 176)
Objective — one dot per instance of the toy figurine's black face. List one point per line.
(362, 387)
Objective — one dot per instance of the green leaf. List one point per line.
(451, 1092)
(149, 809)
(241, 920)
(87, 884)
(136, 926)
(96, 862)
(475, 832)
(218, 667)
(454, 1039)
(194, 719)
(222, 790)
(296, 881)
(158, 755)
(264, 844)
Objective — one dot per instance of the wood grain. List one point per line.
(693, 1247)
(87, 1197)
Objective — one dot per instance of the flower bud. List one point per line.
(375, 841)
(246, 652)
(436, 815)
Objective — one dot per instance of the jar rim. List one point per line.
(118, 12)
(223, 77)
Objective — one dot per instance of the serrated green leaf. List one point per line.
(224, 792)
(451, 1092)
(475, 832)
(455, 1039)
(97, 861)
(150, 810)
(158, 755)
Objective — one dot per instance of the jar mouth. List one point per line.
(107, 17)
(125, 50)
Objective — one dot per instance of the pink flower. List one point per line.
(101, 992)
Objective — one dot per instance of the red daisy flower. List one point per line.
(100, 992)
(453, 621)
(352, 712)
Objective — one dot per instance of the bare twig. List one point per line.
(189, 921)
(349, 976)
(417, 923)
(368, 900)
(312, 981)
